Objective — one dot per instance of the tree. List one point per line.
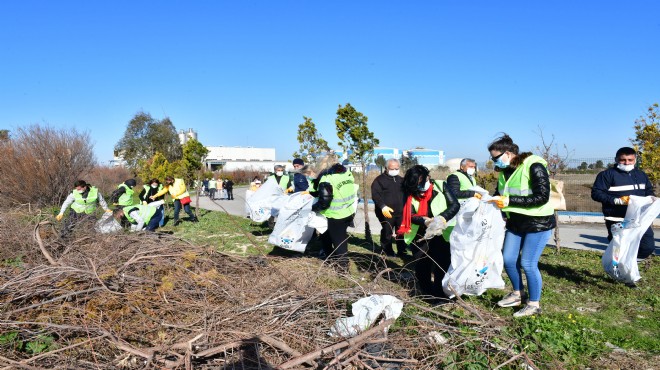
(312, 144)
(144, 137)
(582, 166)
(4, 135)
(359, 143)
(599, 165)
(156, 167)
(407, 161)
(647, 143)
(381, 162)
(193, 154)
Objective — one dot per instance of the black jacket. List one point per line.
(540, 186)
(144, 195)
(455, 185)
(614, 183)
(452, 209)
(386, 191)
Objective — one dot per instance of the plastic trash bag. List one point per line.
(365, 312)
(620, 257)
(318, 221)
(292, 230)
(107, 224)
(266, 201)
(476, 249)
(435, 227)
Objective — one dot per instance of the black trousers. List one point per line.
(335, 239)
(432, 266)
(646, 245)
(387, 232)
(230, 193)
(212, 193)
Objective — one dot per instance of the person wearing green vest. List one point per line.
(150, 188)
(123, 196)
(140, 215)
(462, 180)
(425, 201)
(337, 194)
(83, 201)
(284, 181)
(523, 194)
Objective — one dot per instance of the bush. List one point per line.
(39, 165)
(107, 178)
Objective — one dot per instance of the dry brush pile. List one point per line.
(156, 301)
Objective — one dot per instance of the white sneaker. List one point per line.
(510, 300)
(528, 311)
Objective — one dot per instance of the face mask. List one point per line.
(279, 173)
(470, 171)
(501, 163)
(154, 186)
(80, 191)
(426, 186)
(625, 167)
(393, 172)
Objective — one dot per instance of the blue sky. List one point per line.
(446, 75)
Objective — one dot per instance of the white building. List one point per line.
(231, 158)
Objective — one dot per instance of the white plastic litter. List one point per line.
(365, 312)
(292, 230)
(435, 227)
(620, 257)
(476, 249)
(318, 221)
(266, 201)
(107, 224)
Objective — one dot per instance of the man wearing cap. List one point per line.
(300, 182)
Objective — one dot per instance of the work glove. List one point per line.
(624, 200)
(387, 212)
(304, 192)
(499, 201)
(59, 217)
(477, 195)
(108, 211)
(144, 202)
(289, 190)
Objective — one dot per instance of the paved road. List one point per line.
(586, 236)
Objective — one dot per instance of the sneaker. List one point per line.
(177, 222)
(510, 300)
(528, 311)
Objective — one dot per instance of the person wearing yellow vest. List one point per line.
(426, 199)
(83, 201)
(462, 180)
(337, 193)
(284, 181)
(523, 194)
(150, 188)
(178, 191)
(123, 196)
(140, 215)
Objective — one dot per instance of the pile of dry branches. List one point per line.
(156, 301)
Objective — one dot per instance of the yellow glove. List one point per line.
(108, 211)
(500, 202)
(304, 192)
(289, 190)
(477, 195)
(59, 217)
(144, 202)
(623, 200)
(387, 212)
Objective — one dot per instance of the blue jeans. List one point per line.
(523, 251)
(162, 216)
(155, 220)
(186, 208)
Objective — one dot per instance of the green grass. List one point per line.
(582, 307)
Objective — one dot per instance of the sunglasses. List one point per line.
(497, 157)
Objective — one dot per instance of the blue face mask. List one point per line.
(501, 164)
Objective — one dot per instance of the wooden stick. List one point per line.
(444, 315)
(40, 242)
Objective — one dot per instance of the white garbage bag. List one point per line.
(107, 224)
(266, 201)
(292, 230)
(365, 312)
(476, 249)
(620, 257)
(318, 221)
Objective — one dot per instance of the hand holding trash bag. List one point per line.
(624, 200)
(499, 201)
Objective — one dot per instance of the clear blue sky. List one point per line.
(445, 75)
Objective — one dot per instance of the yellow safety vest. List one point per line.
(85, 205)
(519, 185)
(344, 194)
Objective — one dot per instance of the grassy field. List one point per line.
(589, 321)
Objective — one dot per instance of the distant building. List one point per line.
(428, 157)
(387, 153)
(242, 158)
(185, 136)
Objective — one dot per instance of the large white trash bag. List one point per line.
(266, 201)
(620, 257)
(476, 249)
(365, 312)
(292, 230)
(107, 224)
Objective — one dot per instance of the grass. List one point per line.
(586, 314)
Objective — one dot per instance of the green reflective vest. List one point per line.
(465, 181)
(344, 194)
(146, 212)
(125, 199)
(284, 181)
(85, 205)
(146, 191)
(438, 205)
(519, 185)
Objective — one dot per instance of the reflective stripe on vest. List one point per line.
(465, 181)
(519, 185)
(125, 199)
(438, 205)
(344, 194)
(146, 212)
(85, 205)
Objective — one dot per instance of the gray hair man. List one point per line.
(460, 181)
(388, 199)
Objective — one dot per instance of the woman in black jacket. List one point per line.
(523, 194)
(424, 200)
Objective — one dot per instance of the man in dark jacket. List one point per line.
(388, 200)
(229, 186)
(613, 188)
(460, 181)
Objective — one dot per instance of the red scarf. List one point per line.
(422, 210)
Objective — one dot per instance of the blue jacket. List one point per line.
(614, 183)
(300, 182)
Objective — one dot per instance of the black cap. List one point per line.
(130, 182)
(298, 161)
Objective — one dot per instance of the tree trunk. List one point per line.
(367, 229)
(556, 233)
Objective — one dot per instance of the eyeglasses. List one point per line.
(497, 157)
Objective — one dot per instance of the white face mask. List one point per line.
(154, 186)
(80, 191)
(470, 171)
(393, 172)
(625, 167)
(426, 186)
(279, 173)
